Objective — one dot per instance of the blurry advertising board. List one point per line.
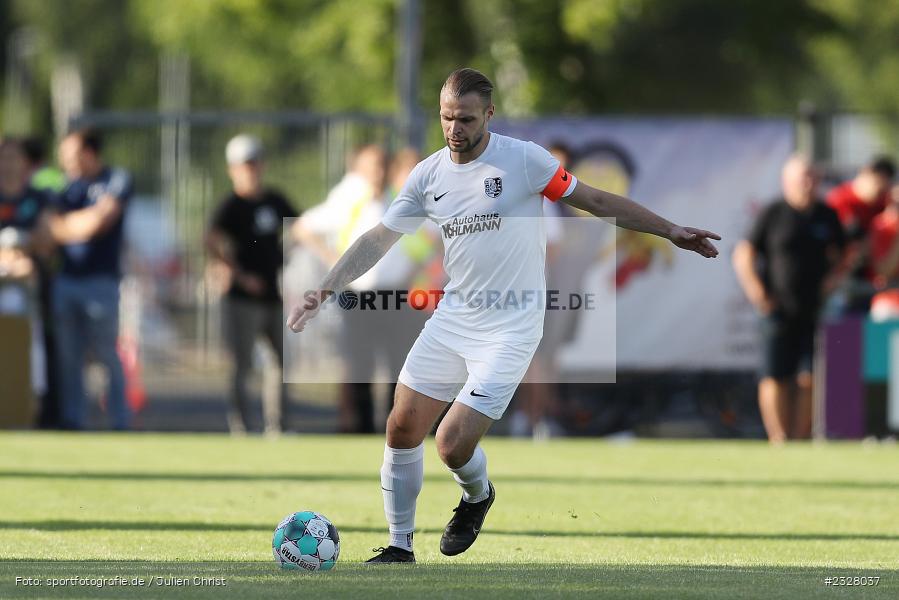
(675, 310)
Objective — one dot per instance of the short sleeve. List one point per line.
(836, 201)
(120, 185)
(540, 166)
(758, 234)
(545, 175)
(222, 219)
(406, 213)
(285, 210)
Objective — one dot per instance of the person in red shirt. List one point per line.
(857, 202)
(885, 243)
(884, 266)
(863, 197)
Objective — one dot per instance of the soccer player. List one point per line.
(474, 355)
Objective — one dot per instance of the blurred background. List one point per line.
(690, 106)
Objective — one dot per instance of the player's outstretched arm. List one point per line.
(630, 215)
(354, 263)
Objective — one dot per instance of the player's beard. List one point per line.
(471, 144)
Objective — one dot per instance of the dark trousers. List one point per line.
(245, 321)
(368, 337)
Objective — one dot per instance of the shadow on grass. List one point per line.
(77, 525)
(373, 478)
(438, 580)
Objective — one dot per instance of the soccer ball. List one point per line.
(306, 540)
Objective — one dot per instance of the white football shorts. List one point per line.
(480, 374)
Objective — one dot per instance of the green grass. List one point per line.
(587, 518)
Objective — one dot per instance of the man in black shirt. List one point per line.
(245, 235)
(785, 267)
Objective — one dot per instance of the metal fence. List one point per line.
(170, 299)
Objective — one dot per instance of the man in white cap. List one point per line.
(245, 235)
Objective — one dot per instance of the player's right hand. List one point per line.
(303, 312)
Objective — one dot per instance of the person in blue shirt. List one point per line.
(88, 226)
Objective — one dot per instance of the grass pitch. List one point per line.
(572, 518)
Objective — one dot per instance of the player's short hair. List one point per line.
(466, 80)
(90, 138)
(883, 165)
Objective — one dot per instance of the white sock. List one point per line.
(401, 540)
(401, 477)
(472, 477)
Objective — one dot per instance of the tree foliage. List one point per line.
(568, 56)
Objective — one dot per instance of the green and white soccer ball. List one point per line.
(306, 540)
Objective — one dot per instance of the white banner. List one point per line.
(675, 309)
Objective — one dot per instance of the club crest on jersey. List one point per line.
(493, 186)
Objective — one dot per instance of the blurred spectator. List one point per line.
(351, 208)
(537, 406)
(48, 178)
(857, 203)
(885, 260)
(797, 240)
(43, 176)
(21, 209)
(417, 262)
(885, 243)
(245, 235)
(401, 164)
(862, 198)
(89, 227)
(413, 263)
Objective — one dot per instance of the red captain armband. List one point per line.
(558, 185)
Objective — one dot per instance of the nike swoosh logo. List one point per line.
(473, 393)
(436, 197)
(565, 177)
(385, 489)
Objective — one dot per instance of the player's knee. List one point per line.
(445, 450)
(402, 431)
(453, 452)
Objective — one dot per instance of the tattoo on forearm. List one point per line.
(355, 262)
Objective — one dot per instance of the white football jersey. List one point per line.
(490, 214)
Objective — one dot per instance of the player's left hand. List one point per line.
(697, 240)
